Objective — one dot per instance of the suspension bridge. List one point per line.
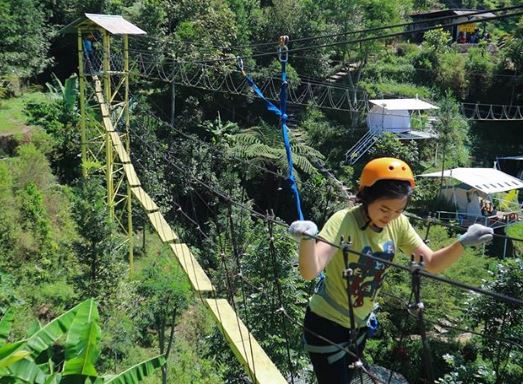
(105, 130)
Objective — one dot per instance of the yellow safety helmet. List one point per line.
(385, 168)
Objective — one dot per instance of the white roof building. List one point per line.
(486, 180)
(394, 115)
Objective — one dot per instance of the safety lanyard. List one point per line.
(283, 56)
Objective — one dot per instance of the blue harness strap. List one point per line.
(283, 54)
(282, 114)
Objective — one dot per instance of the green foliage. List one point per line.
(451, 73)
(193, 361)
(453, 134)
(164, 293)
(31, 166)
(516, 231)
(325, 136)
(59, 117)
(99, 253)
(25, 40)
(499, 319)
(34, 215)
(5, 325)
(388, 145)
(465, 371)
(8, 213)
(81, 344)
(13, 116)
(245, 250)
(436, 40)
(263, 146)
(20, 361)
(480, 70)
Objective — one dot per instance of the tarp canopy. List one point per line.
(403, 104)
(486, 180)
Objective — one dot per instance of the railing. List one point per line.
(362, 146)
(495, 220)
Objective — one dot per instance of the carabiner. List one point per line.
(239, 63)
(283, 50)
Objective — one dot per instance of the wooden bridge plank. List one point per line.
(131, 175)
(261, 369)
(163, 228)
(197, 276)
(119, 148)
(147, 203)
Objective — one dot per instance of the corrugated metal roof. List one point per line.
(114, 24)
(487, 180)
(449, 12)
(480, 16)
(403, 104)
(416, 135)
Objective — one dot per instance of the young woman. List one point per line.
(378, 226)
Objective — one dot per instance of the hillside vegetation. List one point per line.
(219, 160)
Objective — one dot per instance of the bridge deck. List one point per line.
(259, 366)
(261, 369)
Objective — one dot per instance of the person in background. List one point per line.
(377, 226)
(88, 48)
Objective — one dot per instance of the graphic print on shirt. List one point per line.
(368, 274)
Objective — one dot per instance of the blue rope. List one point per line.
(286, 141)
(281, 113)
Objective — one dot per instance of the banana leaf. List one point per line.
(81, 344)
(52, 331)
(27, 371)
(70, 93)
(9, 348)
(5, 325)
(136, 373)
(55, 378)
(13, 358)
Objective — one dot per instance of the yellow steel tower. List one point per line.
(103, 68)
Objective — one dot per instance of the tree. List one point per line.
(453, 133)
(267, 263)
(163, 293)
(388, 145)
(99, 251)
(501, 320)
(59, 118)
(8, 215)
(25, 39)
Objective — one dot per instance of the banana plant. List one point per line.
(67, 92)
(21, 361)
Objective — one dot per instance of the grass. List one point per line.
(516, 231)
(12, 116)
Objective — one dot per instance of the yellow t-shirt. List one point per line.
(368, 274)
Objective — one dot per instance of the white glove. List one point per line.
(476, 234)
(303, 228)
